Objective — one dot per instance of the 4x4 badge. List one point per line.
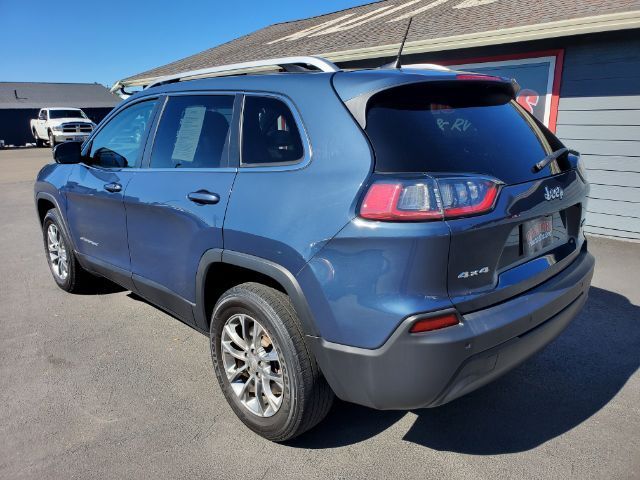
(473, 273)
(553, 193)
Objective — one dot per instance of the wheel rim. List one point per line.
(252, 365)
(57, 253)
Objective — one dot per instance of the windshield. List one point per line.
(71, 113)
(457, 128)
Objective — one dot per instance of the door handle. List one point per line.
(113, 187)
(204, 197)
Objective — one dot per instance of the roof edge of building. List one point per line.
(125, 81)
(561, 28)
(539, 31)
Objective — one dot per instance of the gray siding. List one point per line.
(599, 115)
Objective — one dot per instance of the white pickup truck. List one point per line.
(56, 125)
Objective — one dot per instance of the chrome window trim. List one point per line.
(176, 170)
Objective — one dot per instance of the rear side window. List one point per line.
(459, 128)
(193, 132)
(269, 133)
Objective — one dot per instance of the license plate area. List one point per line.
(565, 229)
(537, 235)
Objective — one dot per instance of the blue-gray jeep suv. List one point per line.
(394, 237)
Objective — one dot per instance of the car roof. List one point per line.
(353, 87)
(352, 83)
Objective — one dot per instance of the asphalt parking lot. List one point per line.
(107, 386)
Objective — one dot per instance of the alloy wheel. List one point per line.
(57, 252)
(252, 365)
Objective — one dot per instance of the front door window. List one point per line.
(119, 143)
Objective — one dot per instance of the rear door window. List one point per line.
(270, 135)
(193, 132)
(460, 128)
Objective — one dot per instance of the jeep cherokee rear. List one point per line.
(382, 235)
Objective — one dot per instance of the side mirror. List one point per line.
(68, 153)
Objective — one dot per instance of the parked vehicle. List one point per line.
(56, 125)
(395, 237)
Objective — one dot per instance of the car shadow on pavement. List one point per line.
(551, 393)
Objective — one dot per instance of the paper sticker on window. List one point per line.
(188, 135)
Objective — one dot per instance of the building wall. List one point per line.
(15, 123)
(599, 115)
(14, 126)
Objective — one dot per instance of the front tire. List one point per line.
(52, 140)
(39, 141)
(263, 366)
(67, 272)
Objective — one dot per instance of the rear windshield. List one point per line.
(65, 114)
(457, 128)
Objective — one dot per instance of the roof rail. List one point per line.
(288, 63)
(428, 66)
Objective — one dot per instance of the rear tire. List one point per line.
(288, 394)
(63, 264)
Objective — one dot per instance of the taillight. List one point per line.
(434, 323)
(429, 198)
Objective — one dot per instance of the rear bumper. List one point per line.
(426, 370)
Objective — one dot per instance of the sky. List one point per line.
(99, 41)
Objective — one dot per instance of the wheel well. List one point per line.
(43, 207)
(223, 276)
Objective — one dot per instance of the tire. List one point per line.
(304, 397)
(52, 140)
(71, 278)
(39, 141)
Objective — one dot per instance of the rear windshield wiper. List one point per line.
(551, 157)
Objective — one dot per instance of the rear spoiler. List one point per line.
(356, 89)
